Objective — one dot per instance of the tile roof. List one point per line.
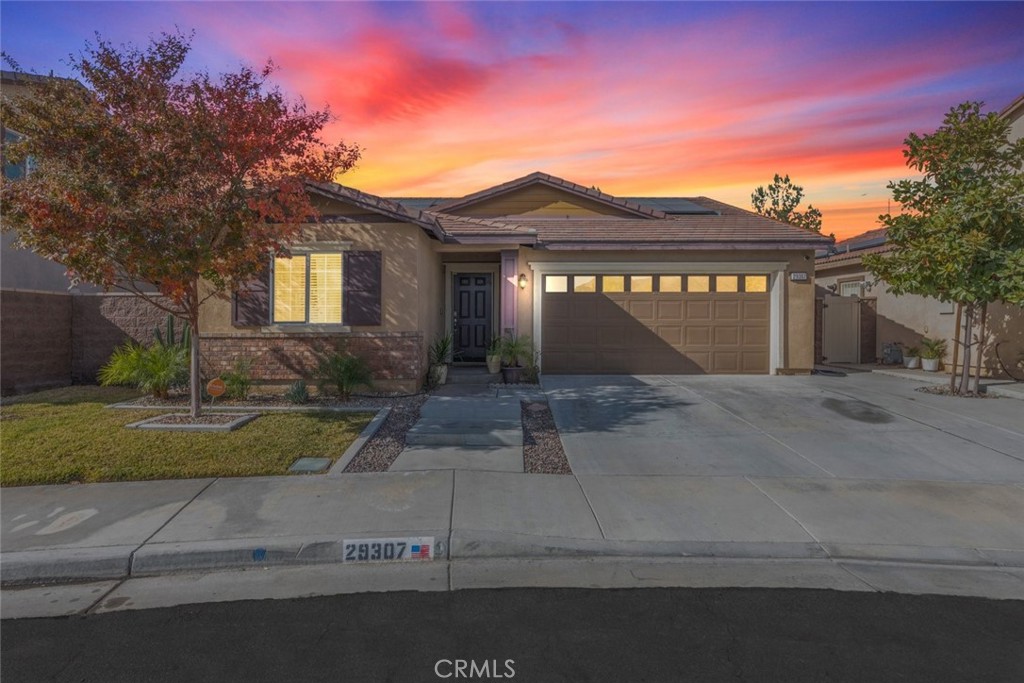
(386, 207)
(848, 257)
(556, 182)
(673, 230)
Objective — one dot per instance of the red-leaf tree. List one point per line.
(159, 183)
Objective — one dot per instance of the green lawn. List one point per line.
(66, 435)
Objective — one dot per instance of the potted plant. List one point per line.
(912, 357)
(932, 351)
(439, 355)
(514, 348)
(494, 356)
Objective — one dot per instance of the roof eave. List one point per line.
(581, 245)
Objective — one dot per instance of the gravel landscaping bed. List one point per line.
(383, 449)
(943, 390)
(542, 449)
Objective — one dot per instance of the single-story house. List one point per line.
(601, 284)
(859, 316)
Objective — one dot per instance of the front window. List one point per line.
(307, 289)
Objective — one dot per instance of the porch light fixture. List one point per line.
(522, 280)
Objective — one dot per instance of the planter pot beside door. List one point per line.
(512, 375)
(911, 362)
(493, 364)
(439, 374)
(930, 364)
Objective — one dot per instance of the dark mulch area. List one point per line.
(383, 449)
(542, 449)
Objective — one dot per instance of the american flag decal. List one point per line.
(420, 552)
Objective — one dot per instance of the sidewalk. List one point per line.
(117, 530)
(1004, 388)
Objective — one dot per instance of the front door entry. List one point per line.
(472, 298)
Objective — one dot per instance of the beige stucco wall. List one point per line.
(908, 318)
(798, 342)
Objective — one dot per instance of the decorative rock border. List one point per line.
(156, 424)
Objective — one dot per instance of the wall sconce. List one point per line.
(522, 280)
(833, 287)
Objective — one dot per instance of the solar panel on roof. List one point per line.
(420, 203)
(673, 205)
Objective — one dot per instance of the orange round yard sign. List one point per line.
(216, 387)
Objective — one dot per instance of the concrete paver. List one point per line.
(542, 505)
(688, 508)
(904, 513)
(268, 507)
(59, 600)
(742, 454)
(493, 459)
(90, 515)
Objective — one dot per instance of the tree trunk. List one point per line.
(965, 373)
(195, 391)
(980, 351)
(956, 346)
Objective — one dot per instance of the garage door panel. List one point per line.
(698, 310)
(755, 310)
(755, 336)
(698, 335)
(655, 333)
(727, 335)
(726, 362)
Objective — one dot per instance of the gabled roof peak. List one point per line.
(538, 177)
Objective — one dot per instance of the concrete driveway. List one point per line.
(862, 426)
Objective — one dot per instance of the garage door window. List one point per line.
(613, 283)
(727, 283)
(584, 283)
(755, 283)
(670, 283)
(641, 283)
(556, 283)
(698, 283)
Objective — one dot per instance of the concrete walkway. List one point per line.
(862, 470)
(471, 430)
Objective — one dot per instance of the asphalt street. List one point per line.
(535, 635)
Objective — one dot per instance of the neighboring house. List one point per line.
(51, 333)
(858, 317)
(601, 284)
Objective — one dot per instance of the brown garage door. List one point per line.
(651, 324)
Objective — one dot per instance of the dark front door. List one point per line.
(472, 315)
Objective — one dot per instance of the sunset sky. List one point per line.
(637, 98)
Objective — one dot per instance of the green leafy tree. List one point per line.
(164, 184)
(779, 201)
(960, 235)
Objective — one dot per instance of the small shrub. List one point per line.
(933, 349)
(155, 369)
(238, 380)
(342, 372)
(515, 348)
(297, 393)
(440, 351)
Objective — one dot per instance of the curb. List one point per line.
(120, 562)
(356, 446)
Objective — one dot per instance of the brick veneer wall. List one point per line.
(396, 358)
(102, 323)
(35, 341)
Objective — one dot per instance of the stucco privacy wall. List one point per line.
(55, 339)
(908, 318)
(395, 350)
(798, 344)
